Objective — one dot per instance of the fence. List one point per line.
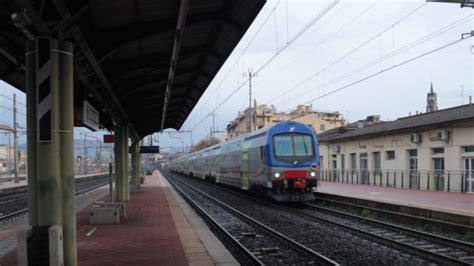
(446, 180)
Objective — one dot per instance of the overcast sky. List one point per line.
(333, 53)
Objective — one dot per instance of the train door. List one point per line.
(469, 174)
(245, 166)
(218, 165)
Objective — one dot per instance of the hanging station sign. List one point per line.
(90, 116)
(109, 138)
(146, 149)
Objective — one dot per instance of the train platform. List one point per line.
(461, 204)
(159, 229)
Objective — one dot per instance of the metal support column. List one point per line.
(135, 167)
(47, 152)
(66, 129)
(118, 167)
(121, 163)
(125, 164)
(30, 75)
(47, 162)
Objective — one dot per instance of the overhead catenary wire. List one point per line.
(404, 48)
(386, 70)
(298, 34)
(306, 27)
(400, 50)
(219, 85)
(387, 56)
(11, 99)
(363, 44)
(11, 110)
(313, 48)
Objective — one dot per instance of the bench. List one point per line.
(106, 213)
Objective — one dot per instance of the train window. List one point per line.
(293, 146)
(283, 146)
(302, 145)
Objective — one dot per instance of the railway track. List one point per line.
(390, 212)
(259, 243)
(430, 247)
(13, 206)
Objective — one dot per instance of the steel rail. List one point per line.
(319, 257)
(92, 184)
(446, 225)
(447, 242)
(376, 238)
(249, 255)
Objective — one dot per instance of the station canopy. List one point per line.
(133, 59)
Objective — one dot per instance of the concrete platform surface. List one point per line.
(449, 202)
(160, 228)
(8, 232)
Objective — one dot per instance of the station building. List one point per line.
(264, 116)
(429, 151)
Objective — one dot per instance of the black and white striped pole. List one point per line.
(49, 87)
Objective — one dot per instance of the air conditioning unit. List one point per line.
(443, 135)
(415, 138)
(336, 148)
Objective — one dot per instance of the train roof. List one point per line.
(274, 129)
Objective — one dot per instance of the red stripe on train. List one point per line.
(295, 174)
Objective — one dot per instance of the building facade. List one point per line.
(264, 116)
(431, 151)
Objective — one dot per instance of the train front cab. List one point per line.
(293, 163)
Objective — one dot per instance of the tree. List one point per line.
(204, 143)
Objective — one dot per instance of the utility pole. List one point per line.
(190, 140)
(84, 161)
(213, 125)
(100, 154)
(254, 116)
(15, 142)
(210, 136)
(250, 75)
(9, 164)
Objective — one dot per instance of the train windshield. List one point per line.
(293, 147)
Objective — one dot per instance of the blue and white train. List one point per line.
(280, 161)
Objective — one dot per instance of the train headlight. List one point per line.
(312, 174)
(277, 175)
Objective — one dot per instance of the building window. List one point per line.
(353, 161)
(322, 127)
(437, 150)
(390, 155)
(343, 163)
(377, 163)
(469, 149)
(364, 168)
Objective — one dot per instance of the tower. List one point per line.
(431, 101)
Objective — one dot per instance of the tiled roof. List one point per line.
(440, 117)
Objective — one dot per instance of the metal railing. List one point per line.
(433, 180)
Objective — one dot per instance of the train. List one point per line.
(280, 161)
